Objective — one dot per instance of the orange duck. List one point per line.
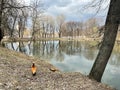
(33, 69)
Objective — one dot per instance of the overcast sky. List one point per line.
(72, 9)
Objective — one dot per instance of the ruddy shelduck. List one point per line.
(33, 69)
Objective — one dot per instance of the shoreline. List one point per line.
(15, 74)
(56, 38)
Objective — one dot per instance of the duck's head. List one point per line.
(33, 65)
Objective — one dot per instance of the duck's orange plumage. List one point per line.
(33, 69)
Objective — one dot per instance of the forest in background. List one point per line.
(18, 19)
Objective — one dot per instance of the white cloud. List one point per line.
(70, 8)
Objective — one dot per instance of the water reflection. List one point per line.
(71, 56)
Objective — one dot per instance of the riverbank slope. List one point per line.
(15, 74)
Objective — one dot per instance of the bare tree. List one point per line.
(79, 30)
(8, 14)
(1, 12)
(22, 20)
(92, 24)
(60, 21)
(111, 28)
(36, 12)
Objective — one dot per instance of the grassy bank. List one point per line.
(48, 39)
(15, 74)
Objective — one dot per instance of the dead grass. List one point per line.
(15, 74)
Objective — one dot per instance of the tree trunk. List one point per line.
(111, 28)
(59, 34)
(1, 10)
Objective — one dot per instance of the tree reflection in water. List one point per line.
(57, 49)
(71, 56)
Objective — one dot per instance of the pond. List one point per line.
(71, 56)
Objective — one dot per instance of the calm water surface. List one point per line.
(71, 56)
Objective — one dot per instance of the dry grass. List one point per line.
(15, 74)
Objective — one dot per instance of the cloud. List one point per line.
(61, 3)
(71, 9)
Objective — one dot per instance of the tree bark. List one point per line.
(111, 28)
(1, 11)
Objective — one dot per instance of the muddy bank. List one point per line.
(15, 74)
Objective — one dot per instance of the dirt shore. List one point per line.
(15, 74)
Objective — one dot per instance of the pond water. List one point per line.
(71, 56)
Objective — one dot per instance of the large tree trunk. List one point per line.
(111, 28)
(1, 10)
(1, 34)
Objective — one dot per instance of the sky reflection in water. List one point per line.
(71, 57)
